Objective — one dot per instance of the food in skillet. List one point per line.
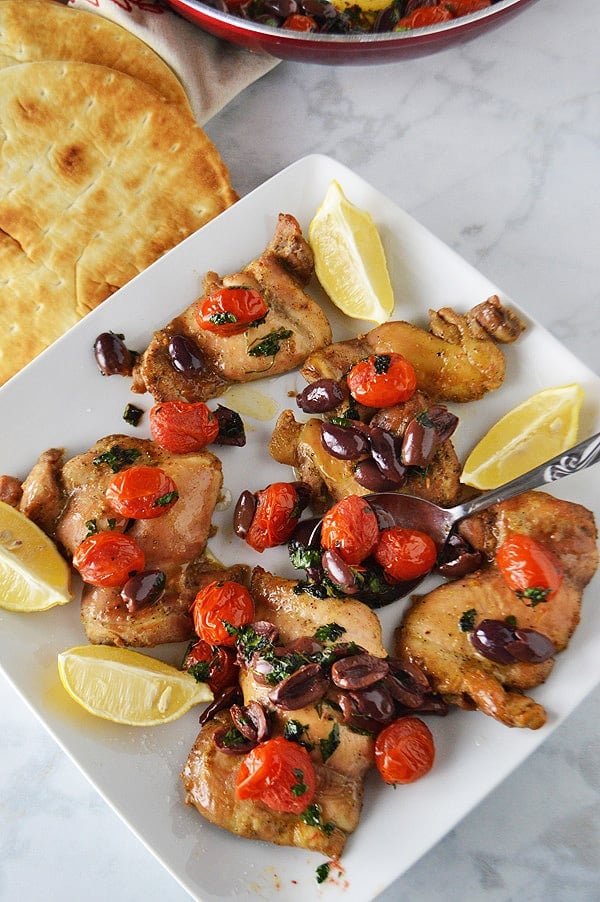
(134, 519)
(486, 638)
(285, 761)
(348, 17)
(248, 325)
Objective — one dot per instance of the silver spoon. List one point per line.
(439, 522)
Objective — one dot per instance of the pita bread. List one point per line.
(99, 177)
(38, 30)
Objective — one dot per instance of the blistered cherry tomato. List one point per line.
(464, 7)
(382, 380)
(350, 527)
(181, 427)
(278, 773)
(298, 22)
(218, 604)
(230, 311)
(278, 509)
(424, 16)
(405, 553)
(141, 492)
(212, 664)
(404, 750)
(530, 569)
(108, 559)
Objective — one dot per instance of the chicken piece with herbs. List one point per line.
(473, 636)
(291, 689)
(376, 463)
(457, 359)
(72, 502)
(252, 324)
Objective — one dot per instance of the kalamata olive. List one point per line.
(306, 685)
(232, 743)
(185, 354)
(266, 629)
(374, 702)
(531, 646)
(410, 675)
(231, 427)
(280, 8)
(112, 355)
(358, 671)
(401, 694)
(444, 422)
(143, 589)
(386, 450)
(225, 699)
(251, 721)
(419, 444)
(243, 513)
(386, 19)
(370, 477)
(320, 396)
(339, 572)
(343, 442)
(308, 533)
(458, 558)
(498, 641)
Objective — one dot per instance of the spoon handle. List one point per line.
(580, 457)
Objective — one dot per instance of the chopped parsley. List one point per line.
(329, 632)
(294, 731)
(299, 788)
(270, 344)
(166, 500)
(220, 319)
(322, 872)
(381, 363)
(232, 738)
(117, 457)
(313, 817)
(92, 528)
(330, 744)
(467, 620)
(132, 414)
(534, 595)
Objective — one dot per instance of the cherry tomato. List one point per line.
(218, 604)
(530, 569)
(382, 380)
(424, 16)
(297, 22)
(181, 427)
(405, 553)
(231, 310)
(404, 750)
(280, 774)
(463, 7)
(212, 664)
(142, 492)
(278, 509)
(108, 559)
(350, 527)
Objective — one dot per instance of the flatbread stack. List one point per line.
(102, 169)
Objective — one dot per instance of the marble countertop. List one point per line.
(495, 147)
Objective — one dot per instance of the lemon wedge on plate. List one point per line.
(350, 260)
(539, 428)
(128, 687)
(33, 574)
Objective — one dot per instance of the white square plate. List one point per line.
(60, 400)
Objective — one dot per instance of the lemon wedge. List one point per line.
(539, 428)
(350, 260)
(127, 687)
(33, 574)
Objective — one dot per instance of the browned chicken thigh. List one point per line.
(210, 774)
(294, 327)
(67, 499)
(433, 633)
(330, 478)
(457, 359)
